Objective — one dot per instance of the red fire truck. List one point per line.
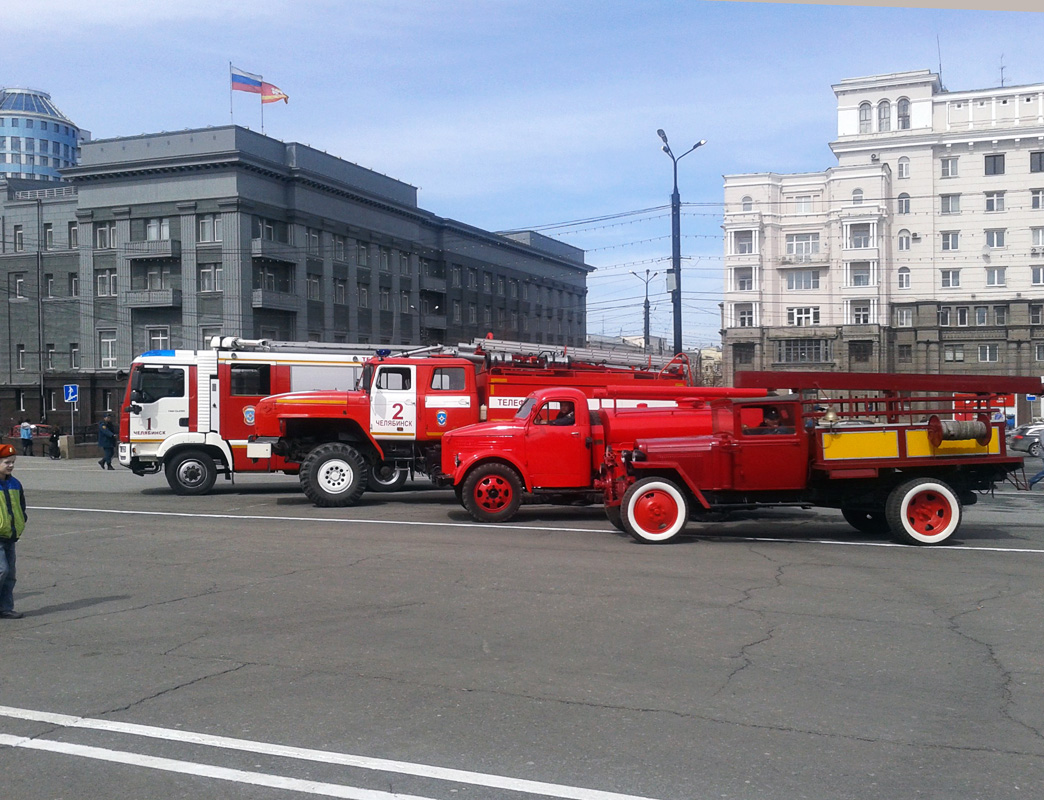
(189, 412)
(394, 425)
(553, 449)
(898, 453)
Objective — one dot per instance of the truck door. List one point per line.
(771, 450)
(556, 445)
(393, 402)
(447, 402)
(159, 404)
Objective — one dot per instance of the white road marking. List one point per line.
(543, 528)
(286, 751)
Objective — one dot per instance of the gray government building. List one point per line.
(161, 241)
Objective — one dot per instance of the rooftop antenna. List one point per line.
(1002, 70)
(938, 48)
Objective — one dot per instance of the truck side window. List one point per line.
(250, 380)
(556, 412)
(394, 379)
(155, 384)
(448, 379)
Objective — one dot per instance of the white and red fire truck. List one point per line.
(190, 412)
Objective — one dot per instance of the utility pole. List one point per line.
(646, 279)
(676, 238)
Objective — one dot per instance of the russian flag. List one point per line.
(243, 81)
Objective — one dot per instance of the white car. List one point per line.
(1027, 438)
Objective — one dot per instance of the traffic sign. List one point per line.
(1031, 398)
(72, 393)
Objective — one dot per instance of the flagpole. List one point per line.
(262, 115)
(230, 114)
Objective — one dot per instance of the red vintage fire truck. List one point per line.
(895, 453)
(189, 412)
(394, 425)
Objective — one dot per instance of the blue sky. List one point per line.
(521, 113)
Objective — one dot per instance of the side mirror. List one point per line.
(132, 409)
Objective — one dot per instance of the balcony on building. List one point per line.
(153, 298)
(154, 248)
(273, 300)
(797, 259)
(273, 251)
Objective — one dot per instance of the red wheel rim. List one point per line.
(929, 513)
(493, 493)
(654, 511)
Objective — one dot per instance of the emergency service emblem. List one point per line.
(248, 415)
(441, 416)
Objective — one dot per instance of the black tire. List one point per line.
(872, 522)
(492, 493)
(191, 472)
(923, 511)
(654, 511)
(1034, 450)
(385, 477)
(334, 475)
(612, 513)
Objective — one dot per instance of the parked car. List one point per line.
(1027, 438)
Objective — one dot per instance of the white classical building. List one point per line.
(921, 251)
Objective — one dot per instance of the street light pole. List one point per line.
(676, 237)
(647, 278)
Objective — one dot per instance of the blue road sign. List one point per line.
(72, 393)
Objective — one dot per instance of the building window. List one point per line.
(312, 241)
(903, 170)
(49, 285)
(962, 316)
(902, 110)
(994, 164)
(982, 315)
(1037, 237)
(473, 279)
(904, 240)
(362, 254)
(904, 277)
(74, 355)
(1038, 350)
(860, 352)
(884, 116)
(19, 285)
(865, 122)
(48, 236)
(744, 353)
(385, 299)
(904, 318)
(802, 351)
(158, 229)
(951, 240)
(800, 280)
(19, 239)
(944, 317)
(994, 201)
(1000, 315)
(74, 235)
(385, 259)
(106, 282)
(860, 313)
(312, 283)
(802, 316)
(953, 353)
(1037, 199)
(107, 349)
(949, 204)
(989, 352)
(105, 236)
(747, 204)
(1037, 314)
(742, 242)
(364, 297)
(859, 236)
(20, 356)
(951, 278)
(472, 314)
(457, 314)
(743, 279)
(455, 276)
(1037, 162)
(948, 167)
(744, 315)
(158, 338)
(74, 284)
(340, 291)
(803, 204)
(209, 227)
(995, 276)
(1037, 276)
(857, 197)
(903, 204)
(210, 278)
(860, 274)
(338, 242)
(802, 246)
(904, 353)
(995, 237)
(487, 283)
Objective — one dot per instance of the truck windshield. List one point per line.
(151, 384)
(526, 407)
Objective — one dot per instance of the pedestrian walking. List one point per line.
(12, 523)
(26, 432)
(106, 441)
(1040, 475)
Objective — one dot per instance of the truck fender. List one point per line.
(674, 472)
(208, 440)
(484, 458)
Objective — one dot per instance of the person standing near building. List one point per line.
(12, 523)
(26, 432)
(106, 441)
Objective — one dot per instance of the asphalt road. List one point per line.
(248, 645)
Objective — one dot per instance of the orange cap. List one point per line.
(6, 450)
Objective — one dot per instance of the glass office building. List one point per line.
(36, 139)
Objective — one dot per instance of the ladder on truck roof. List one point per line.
(558, 354)
(275, 346)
